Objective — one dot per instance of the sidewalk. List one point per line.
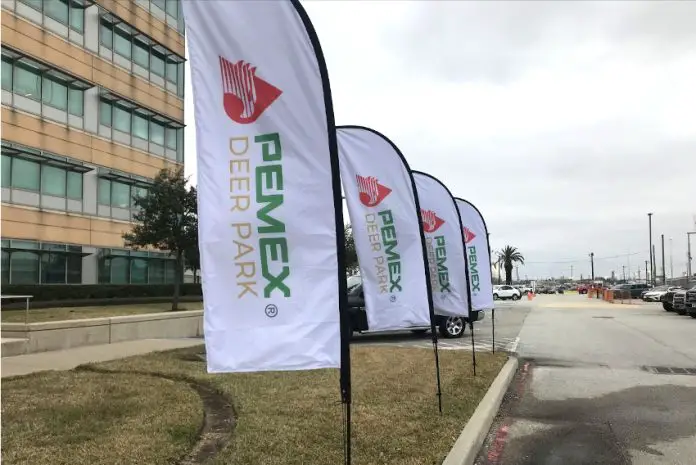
(70, 358)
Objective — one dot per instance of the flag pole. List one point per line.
(344, 317)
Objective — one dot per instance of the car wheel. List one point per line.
(667, 306)
(692, 315)
(515, 297)
(495, 296)
(452, 327)
(681, 311)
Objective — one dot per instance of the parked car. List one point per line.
(629, 291)
(655, 294)
(583, 289)
(449, 326)
(690, 302)
(506, 292)
(668, 299)
(679, 301)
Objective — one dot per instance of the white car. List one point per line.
(506, 292)
(655, 294)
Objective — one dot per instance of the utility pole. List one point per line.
(654, 270)
(592, 264)
(688, 257)
(624, 272)
(671, 263)
(664, 275)
(651, 246)
(571, 272)
(646, 272)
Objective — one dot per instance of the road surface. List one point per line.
(598, 384)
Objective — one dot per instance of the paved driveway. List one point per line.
(599, 384)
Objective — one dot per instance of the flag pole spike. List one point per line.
(473, 346)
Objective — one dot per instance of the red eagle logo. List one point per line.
(246, 96)
(371, 191)
(431, 222)
(468, 235)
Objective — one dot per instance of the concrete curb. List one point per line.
(467, 446)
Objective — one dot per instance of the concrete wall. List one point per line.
(46, 336)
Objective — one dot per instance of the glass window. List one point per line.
(76, 103)
(122, 119)
(27, 82)
(57, 9)
(119, 270)
(141, 53)
(122, 42)
(74, 269)
(6, 171)
(160, 4)
(104, 192)
(6, 74)
(138, 192)
(74, 190)
(157, 64)
(105, 113)
(55, 94)
(120, 195)
(36, 4)
(172, 71)
(5, 266)
(173, 8)
(25, 174)
(107, 35)
(180, 145)
(138, 271)
(77, 18)
(156, 133)
(171, 138)
(24, 268)
(169, 271)
(156, 269)
(53, 181)
(140, 127)
(52, 268)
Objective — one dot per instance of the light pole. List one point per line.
(664, 275)
(688, 256)
(671, 264)
(650, 252)
(624, 272)
(646, 272)
(592, 264)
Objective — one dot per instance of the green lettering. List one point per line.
(268, 141)
(269, 174)
(277, 248)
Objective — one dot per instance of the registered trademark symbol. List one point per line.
(271, 311)
(392, 298)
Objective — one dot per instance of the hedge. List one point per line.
(59, 292)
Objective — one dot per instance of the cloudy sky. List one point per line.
(563, 122)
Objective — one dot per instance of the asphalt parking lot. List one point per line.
(599, 383)
(509, 318)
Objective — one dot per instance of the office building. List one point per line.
(92, 110)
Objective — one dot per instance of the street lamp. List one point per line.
(592, 264)
(688, 256)
(650, 252)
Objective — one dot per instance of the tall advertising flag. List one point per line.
(478, 255)
(268, 188)
(389, 241)
(445, 245)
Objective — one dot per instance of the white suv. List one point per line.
(506, 292)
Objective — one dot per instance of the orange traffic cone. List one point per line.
(530, 296)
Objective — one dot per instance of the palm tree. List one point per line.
(498, 264)
(509, 256)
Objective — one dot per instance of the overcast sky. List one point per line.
(563, 122)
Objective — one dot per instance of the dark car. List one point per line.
(667, 299)
(690, 302)
(449, 326)
(629, 291)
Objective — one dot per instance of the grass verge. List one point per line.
(73, 417)
(76, 313)
(292, 418)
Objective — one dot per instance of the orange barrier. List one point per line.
(530, 296)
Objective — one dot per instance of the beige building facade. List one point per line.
(92, 110)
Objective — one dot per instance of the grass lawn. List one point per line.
(76, 313)
(281, 417)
